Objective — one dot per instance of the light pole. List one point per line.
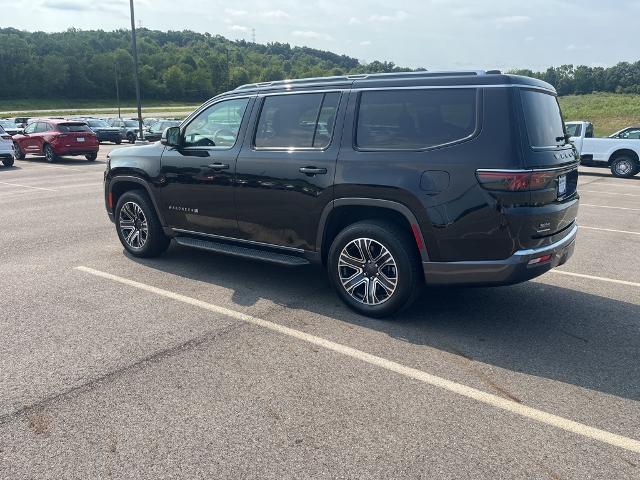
(135, 70)
(115, 66)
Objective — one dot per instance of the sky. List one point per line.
(434, 34)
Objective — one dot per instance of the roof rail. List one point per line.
(364, 76)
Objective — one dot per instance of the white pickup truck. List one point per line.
(620, 154)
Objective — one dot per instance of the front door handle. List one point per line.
(313, 171)
(219, 166)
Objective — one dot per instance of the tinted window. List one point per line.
(131, 123)
(42, 127)
(216, 126)
(543, 119)
(297, 121)
(573, 129)
(415, 119)
(589, 132)
(97, 123)
(73, 127)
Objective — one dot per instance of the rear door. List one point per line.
(553, 200)
(285, 171)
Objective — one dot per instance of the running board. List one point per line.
(243, 252)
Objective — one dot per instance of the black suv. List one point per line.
(390, 180)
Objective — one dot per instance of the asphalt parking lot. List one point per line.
(195, 365)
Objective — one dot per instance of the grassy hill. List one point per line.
(609, 112)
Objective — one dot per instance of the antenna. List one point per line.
(139, 23)
(253, 35)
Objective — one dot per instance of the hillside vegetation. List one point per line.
(183, 66)
(609, 112)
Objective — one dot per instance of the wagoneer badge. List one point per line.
(183, 209)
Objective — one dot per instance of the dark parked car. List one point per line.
(103, 131)
(387, 180)
(21, 122)
(154, 133)
(128, 128)
(54, 138)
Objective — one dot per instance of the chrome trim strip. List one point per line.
(528, 170)
(536, 251)
(239, 240)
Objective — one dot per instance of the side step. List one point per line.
(244, 252)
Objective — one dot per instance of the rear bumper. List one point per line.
(108, 136)
(514, 269)
(72, 150)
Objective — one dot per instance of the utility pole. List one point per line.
(253, 35)
(115, 66)
(135, 70)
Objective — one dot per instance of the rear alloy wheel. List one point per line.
(8, 162)
(49, 154)
(91, 157)
(138, 227)
(373, 266)
(20, 155)
(624, 167)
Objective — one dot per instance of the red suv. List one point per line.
(54, 138)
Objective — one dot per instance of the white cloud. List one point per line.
(512, 19)
(365, 43)
(276, 15)
(311, 34)
(398, 16)
(235, 13)
(238, 28)
(529, 39)
(354, 21)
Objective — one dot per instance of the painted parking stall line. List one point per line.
(594, 277)
(618, 194)
(511, 406)
(606, 206)
(27, 186)
(626, 232)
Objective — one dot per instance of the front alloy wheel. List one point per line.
(133, 225)
(367, 271)
(624, 167)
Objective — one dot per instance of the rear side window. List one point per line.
(73, 127)
(543, 119)
(574, 129)
(297, 121)
(415, 119)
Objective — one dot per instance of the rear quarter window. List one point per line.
(543, 119)
(415, 119)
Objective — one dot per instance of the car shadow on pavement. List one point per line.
(69, 161)
(533, 328)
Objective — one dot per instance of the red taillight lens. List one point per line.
(514, 181)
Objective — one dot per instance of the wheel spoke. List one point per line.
(347, 260)
(388, 284)
(384, 258)
(353, 282)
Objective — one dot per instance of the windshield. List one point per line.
(131, 123)
(573, 129)
(97, 123)
(73, 127)
(7, 123)
(543, 119)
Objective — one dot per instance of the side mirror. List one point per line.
(171, 137)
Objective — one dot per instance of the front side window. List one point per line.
(302, 120)
(31, 128)
(217, 125)
(573, 129)
(415, 119)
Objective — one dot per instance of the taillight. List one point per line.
(509, 181)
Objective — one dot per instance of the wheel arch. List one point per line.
(623, 152)
(344, 211)
(125, 183)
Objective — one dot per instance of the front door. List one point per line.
(30, 143)
(285, 172)
(197, 178)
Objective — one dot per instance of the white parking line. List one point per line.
(609, 230)
(28, 186)
(609, 193)
(605, 206)
(593, 277)
(424, 377)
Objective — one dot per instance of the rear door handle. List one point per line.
(313, 171)
(219, 166)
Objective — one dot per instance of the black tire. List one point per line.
(401, 247)
(49, 154)
(624, 166)
(8, 162)
(118, 142)
(155, 242)
(131, 137)
(20, 155)
(91, 157)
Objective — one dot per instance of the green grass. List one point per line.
(12, 108)
(609, 112)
